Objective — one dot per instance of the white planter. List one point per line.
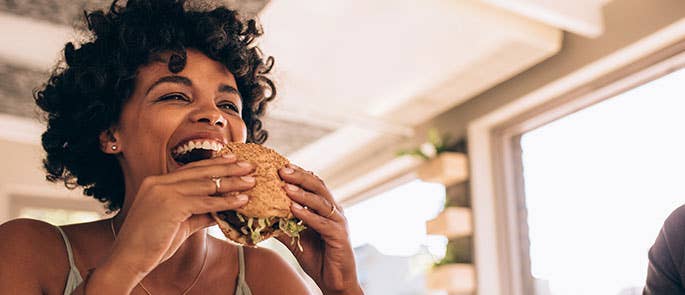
(454, 278)
(453, 222)
(447, 168)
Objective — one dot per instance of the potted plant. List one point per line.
(455, 271)
(443, 161)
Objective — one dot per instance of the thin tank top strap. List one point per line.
(241, 261)
(241, 287)
(74, 276)
(68, 245)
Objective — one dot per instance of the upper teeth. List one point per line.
(198, 144)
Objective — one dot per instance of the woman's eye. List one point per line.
(174, 96)
(229, 106)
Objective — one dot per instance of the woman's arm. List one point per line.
(664, 275)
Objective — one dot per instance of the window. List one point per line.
(388, 234)
(508, 248)
(55, 210)
(58, 216)
(599, 184)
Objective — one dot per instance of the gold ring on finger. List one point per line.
(217, 183)
(332, 211)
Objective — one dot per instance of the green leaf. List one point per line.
(414, 153)
(434, 138)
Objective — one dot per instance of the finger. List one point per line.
(327, 228)
(208, 186)
(214, 170)
(307, 181)
(207, 204)
(322, 206)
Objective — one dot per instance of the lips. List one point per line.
(195, 150)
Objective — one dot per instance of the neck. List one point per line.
(182, 266)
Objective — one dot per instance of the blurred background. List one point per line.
(478, 146)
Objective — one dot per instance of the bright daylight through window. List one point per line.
(388, 232)
(599, 183)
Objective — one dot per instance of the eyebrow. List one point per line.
(187, 82)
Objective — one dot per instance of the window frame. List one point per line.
(20, 201)
(500, 216)
(16, 197)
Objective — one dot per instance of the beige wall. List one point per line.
(626, 21)
(22, 175)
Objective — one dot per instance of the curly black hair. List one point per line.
(86, 91)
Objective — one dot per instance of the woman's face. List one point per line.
(171, 113)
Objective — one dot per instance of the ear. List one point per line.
(109, 143)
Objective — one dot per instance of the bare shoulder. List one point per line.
(30, 250)
(28, 238)
(268, 273)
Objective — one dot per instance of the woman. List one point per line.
(154, 76)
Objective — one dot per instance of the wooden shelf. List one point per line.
(453, 278)
(447, 168)
(452, 222)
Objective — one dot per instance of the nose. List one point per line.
(209, 115)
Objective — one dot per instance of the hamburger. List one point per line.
(267, 213)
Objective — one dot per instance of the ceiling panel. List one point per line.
(16, 88)
(70, 12)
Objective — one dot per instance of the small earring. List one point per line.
(114, 147)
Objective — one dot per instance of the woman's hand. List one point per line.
(327, 254)
(169, 208)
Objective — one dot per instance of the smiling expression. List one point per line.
(171, 112)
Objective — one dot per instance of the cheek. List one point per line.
(160, 126)
(151, 132)
(238, 130)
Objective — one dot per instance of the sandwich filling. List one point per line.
(255, 229)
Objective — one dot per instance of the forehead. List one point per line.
(197, 67)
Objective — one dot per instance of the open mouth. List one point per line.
(195, 150)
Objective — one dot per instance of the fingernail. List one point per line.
(288, 170)
(297, 206)
(291, 187)
(244, 164)
(247, 178)
(228, 156)
(241, 197)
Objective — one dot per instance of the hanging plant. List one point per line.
(458, 251)
(435, 145)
